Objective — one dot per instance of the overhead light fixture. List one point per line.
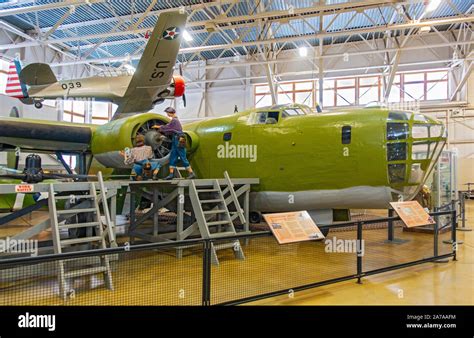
(433, 4)
(187, 36)
(425, 29)
(210, 26)
(303, 51)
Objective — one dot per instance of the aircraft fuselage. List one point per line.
(318, 161)
(99, 88)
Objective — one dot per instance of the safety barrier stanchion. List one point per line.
(359, 251)
(463, 195)
(436, 238)
(455, 244)
(390, 225)
(206, 273)
(436, 228)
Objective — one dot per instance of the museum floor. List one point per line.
(157, 277)
(428, 284)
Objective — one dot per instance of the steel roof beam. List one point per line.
(346, 32)
(462, 82)
(442, 63)
(270, 16)
(316, 10)
(325, 56)
(38, 8)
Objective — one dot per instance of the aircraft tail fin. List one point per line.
(14, 87)
(36, 74)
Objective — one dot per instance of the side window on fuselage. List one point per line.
(346, 135)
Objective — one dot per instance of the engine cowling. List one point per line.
(192, 141)
(179, 85)
(175, 89)
(109, 139)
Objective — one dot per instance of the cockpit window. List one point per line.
(396, 173)
(397, 131)
(436, 130)
(420, 151)
(419, 118)
(400, 116)
(270, 117)
(427, 130)
(420, 131)
(397, 151)
(293, 112)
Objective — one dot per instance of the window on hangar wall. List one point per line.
(359, 90)
(288, 92)
(75, 111)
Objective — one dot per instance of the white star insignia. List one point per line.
(171, 33)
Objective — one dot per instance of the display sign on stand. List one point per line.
(291, 227)
(412, 214)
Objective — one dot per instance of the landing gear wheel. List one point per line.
(38, 105)
(255, 217)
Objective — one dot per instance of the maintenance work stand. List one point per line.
(205, 208)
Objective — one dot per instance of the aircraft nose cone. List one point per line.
(415, 142)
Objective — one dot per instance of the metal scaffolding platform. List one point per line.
(226, 198)
(229, 214)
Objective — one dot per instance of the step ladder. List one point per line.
(98, 239)
(213, 218)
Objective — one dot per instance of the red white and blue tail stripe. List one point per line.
(14, 87)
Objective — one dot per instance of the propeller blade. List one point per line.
(184, 99)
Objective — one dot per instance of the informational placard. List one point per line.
(24, 188)
(291, 227)
(412, 214)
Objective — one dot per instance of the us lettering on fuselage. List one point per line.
(157, 73)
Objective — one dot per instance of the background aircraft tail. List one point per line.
(36, 74)
(14, 87)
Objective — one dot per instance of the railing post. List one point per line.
(462, 211)
(436, 232)
(359, 251)
(206, 273)
(453, 228)
(390, 225)
(132, 226)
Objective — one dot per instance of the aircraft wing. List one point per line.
(44, 136)
(155, 68)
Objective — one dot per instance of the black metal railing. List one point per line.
(150, 274)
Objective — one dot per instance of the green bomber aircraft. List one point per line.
(151, 83)
(320, 162)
